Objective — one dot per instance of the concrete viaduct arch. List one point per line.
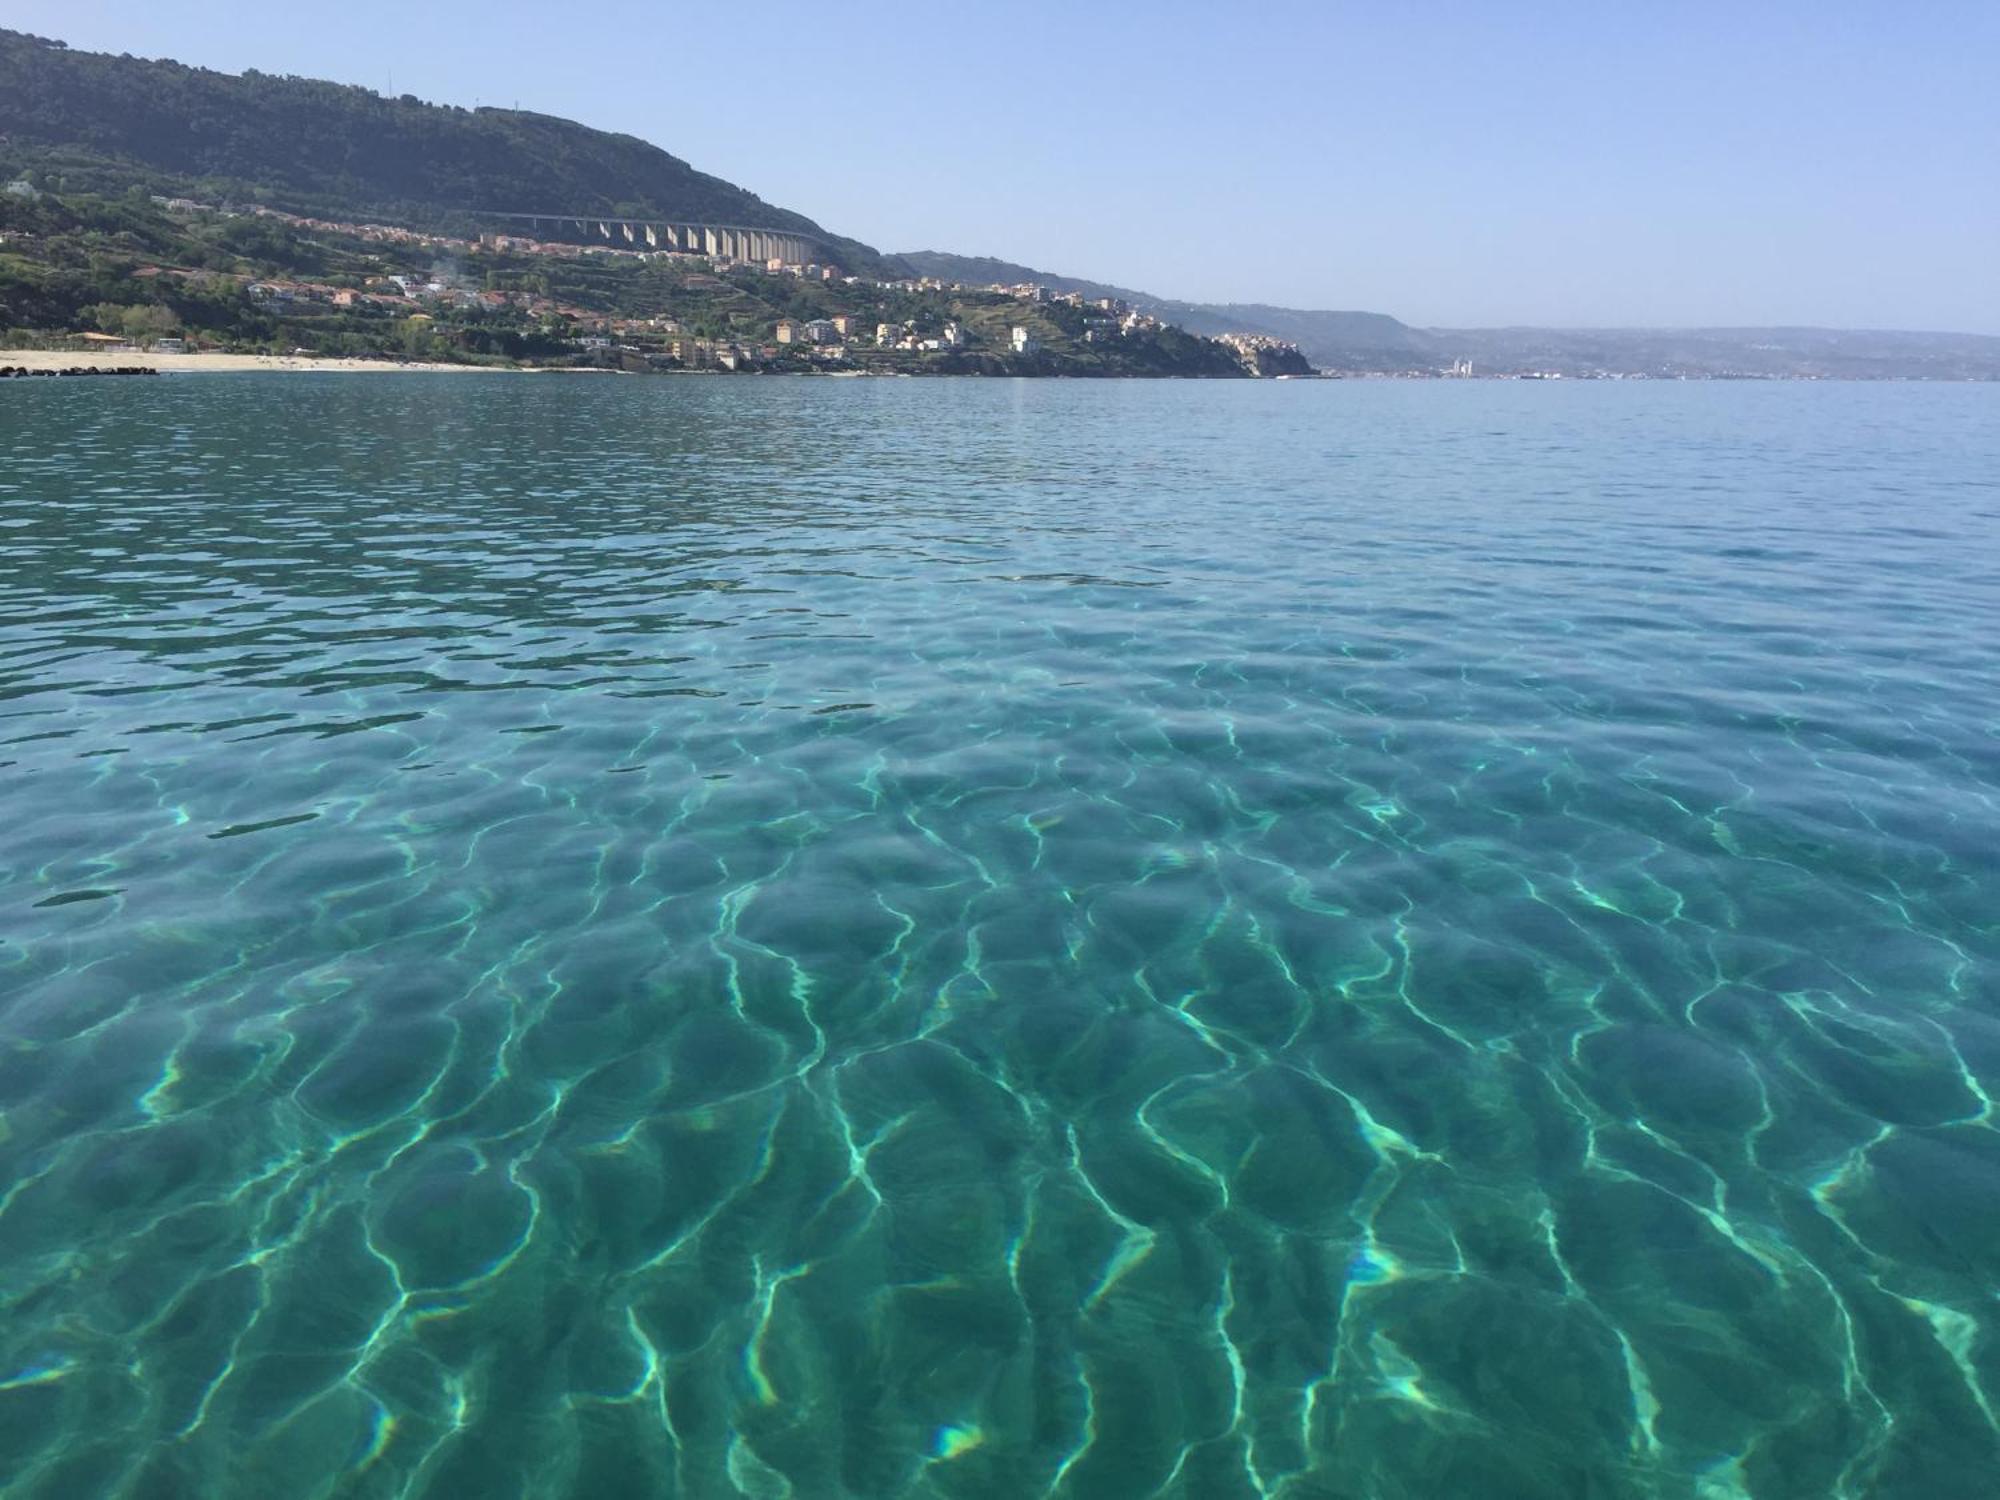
(730, 241)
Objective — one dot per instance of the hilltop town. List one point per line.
(184, 275)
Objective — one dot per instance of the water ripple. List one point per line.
(998, 938)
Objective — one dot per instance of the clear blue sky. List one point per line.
(1459, 164)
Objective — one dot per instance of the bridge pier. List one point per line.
(723, 241)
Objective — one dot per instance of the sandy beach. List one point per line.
(66, 359)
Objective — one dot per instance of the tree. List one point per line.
(106, 317)
(135, 321)
(150, 321)
(416, 335)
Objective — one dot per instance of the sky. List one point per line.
(1455, 165)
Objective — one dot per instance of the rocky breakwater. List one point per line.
(22, 371)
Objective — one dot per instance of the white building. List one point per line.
(1024, 342)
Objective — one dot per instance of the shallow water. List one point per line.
(705, 938)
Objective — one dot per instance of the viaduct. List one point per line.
(732, 241)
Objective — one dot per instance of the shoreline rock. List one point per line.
(26, 372)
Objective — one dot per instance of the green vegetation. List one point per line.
(152, 200)
(84, 122)
(246, 282)
(1336, 340)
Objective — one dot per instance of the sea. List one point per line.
(1343, 940)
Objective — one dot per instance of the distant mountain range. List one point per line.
(1749, 353)
(1375, 343)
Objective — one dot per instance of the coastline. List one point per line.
(59, 361)
(213, 364)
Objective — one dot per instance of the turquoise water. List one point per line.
(846, 938)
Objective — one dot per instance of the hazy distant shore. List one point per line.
(67, 359)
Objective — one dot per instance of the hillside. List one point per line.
(87, 122)
(1331, 340)
(78, 270)
(1374, 343)
(986, 270)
